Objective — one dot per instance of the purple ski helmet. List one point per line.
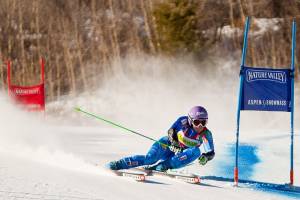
(197, 115)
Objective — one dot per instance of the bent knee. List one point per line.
(150, 159)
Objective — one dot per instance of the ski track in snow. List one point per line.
(26, 178)
(41, 162)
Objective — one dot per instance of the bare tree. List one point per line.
(81, 39)
(147, 25)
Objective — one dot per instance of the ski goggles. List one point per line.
(197, 122)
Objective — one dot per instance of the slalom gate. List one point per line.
(32, 98)
(263, 89)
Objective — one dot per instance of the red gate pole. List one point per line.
(8, 75)
(42, 62)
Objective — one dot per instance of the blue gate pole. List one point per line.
(236, 171)
(292, 100)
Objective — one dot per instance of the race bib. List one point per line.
(186, 141)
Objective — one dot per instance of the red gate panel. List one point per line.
(31, 97)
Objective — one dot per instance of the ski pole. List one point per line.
(117, 125)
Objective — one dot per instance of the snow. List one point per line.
(262, 25)
(62, 155)
(265, 24)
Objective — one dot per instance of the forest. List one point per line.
(81, 39)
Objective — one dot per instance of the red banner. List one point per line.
(32, 97)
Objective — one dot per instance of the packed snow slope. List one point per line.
(62, 155)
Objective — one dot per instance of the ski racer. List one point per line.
(188, 139)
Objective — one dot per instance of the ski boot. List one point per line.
(115, 165)
(161, 167)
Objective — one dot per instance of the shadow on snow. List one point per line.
(247, 160)
(283, 189)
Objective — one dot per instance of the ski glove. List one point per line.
(202, 160)
(172, 135)
(205, 157)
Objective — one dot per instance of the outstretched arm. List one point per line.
(208, 146)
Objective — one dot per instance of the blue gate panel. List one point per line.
(266, 89)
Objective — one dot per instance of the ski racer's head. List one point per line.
(198, 117)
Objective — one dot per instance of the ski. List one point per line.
(188, 178)
(137, 176)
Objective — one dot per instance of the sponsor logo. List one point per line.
(184, 157)
(267, 75)
(267, 102)
(200, 113)
(19, 91)
(184, 121)
(134, 163)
